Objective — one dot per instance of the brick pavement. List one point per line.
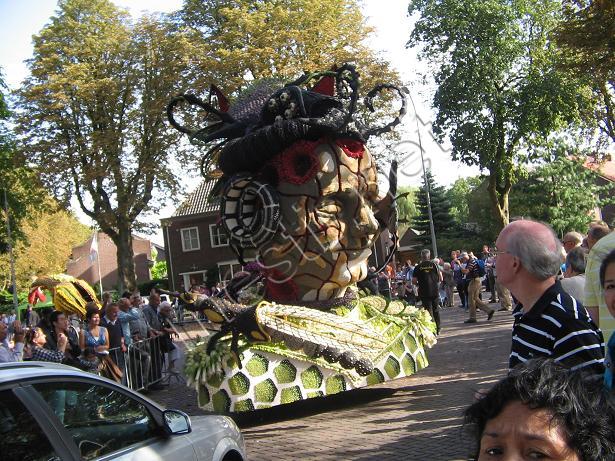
(415, 418)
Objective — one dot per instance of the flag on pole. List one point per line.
(94, 248)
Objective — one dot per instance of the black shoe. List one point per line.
(470, 321)
(490, 315)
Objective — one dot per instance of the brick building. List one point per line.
(606, 175)
(195, 243)
(82, 266)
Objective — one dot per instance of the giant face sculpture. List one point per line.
(327, 189)
(297, 183)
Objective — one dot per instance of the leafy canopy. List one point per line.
(49, 237)
(499, 87)
(23, 191)
(561, 190)
(92, 114)
(587, 36)
(242, 40)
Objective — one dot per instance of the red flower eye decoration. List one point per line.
(351, 147)
(298, 163)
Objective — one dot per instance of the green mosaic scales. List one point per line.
(272, 374)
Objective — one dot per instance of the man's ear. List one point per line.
(516, 264)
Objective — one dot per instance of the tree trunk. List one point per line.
(499, 201)
(127, 278)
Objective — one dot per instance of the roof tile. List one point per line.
(199, 202)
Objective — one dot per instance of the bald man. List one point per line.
(548, 322)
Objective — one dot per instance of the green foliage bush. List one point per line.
(146, 287)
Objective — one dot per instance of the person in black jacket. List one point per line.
(427, 276)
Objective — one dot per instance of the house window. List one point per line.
(218, 236)
(190, 239)
(225, 271)
(228, 269)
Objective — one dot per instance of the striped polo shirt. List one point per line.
(559, 327)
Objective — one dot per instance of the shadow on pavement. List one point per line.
(311, 406)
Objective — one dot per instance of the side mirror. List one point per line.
(176, 422)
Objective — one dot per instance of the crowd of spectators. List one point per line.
(463, 272)
(126, 340)
(549, 279)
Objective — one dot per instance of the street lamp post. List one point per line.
(434, 245)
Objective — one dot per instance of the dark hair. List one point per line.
(576, 258)
(32, 333)
(608, 259)
(266, 119)
(89, 351)
(89, 313)
(577, 401)
(53, 317)
(598, 231)
(111, 306)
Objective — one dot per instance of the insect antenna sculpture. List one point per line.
(299, 187)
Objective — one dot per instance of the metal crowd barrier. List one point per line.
(142, 364)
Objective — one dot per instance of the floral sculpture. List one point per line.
(298, 188)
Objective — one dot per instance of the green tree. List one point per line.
(159, 270)
(242, 40)
(49, 237)
(587, 35)
(562, 191)
(499, 88)
(406, 206)
(21, 183)
(459, 197)
(440, 209)
(92, 115)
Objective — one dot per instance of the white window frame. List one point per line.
(231, 263)
(186, 278)
(198, 239)
(214, 229)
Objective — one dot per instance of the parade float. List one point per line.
(298, 195)
(70, 295)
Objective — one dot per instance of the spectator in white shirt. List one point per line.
(8, 353)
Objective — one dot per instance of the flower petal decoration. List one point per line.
(298, 163)
(351, 147)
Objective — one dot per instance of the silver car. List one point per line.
(55, 412)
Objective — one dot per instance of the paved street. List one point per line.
(415, 418)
